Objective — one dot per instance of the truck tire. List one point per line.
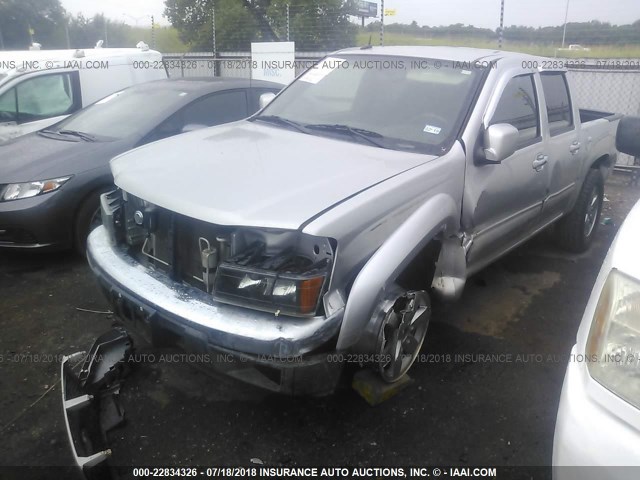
(401, 334)
(575, 231)
(87, 218)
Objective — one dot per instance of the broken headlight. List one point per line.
(285, 284)
(614, 338)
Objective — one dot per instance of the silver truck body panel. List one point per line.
(381, 207)
(240, 174)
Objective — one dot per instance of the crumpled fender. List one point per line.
(438, 215)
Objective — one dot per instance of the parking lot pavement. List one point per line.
(486, 389)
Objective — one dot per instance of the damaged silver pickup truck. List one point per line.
(316, 232)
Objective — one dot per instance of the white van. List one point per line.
(40, 88)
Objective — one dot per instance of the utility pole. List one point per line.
(564, 30)
(287, 22)
(1, 40)
(501, 32)
(381, 23)
(66, 31)
(213, 37)
(153, 33)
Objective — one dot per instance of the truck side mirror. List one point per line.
(628, 136)
(500, 141)
(265, 99)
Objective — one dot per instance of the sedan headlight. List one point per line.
(286, 293)
(16, 191)
(614, 338)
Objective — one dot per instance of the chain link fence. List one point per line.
(609, 85)
(225, 64)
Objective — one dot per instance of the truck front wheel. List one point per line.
(402, 331)
(576, 230)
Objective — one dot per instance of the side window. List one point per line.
(215, 109)
(556, 95)
(518, 106)
(8, 107)
(46, 96)
(212, 110)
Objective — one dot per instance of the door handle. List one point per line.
(540, 161)
(574, 147)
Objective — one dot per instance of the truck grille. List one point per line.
(169, 241)
(274, 270)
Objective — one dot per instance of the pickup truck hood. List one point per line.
(255, 174)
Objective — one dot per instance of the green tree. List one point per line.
(236, 27)
(313, 24)
(19, 17)
(86, 32)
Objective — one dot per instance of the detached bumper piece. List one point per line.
(90, 400)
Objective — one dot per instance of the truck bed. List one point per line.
(588, 115)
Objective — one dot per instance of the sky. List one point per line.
(481, 13)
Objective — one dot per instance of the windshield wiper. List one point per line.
(282, 121)
(367, 135)
(58, 135)
(84, 136)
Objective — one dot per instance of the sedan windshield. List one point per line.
(126, 113)
(399, 103)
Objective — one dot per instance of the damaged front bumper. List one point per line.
(90, 400)
(273, 352)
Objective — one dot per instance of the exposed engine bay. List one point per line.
(281, 271)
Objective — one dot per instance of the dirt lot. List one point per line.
(461, 409)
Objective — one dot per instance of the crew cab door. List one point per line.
(565, 151)
(505, 199)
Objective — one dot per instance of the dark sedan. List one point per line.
(51, 180)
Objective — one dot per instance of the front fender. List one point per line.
(438, 215)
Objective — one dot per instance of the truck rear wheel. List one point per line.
(576, 230)
(401, 334)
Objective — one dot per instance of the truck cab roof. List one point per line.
(446, 53)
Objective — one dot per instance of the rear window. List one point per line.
(556, 94)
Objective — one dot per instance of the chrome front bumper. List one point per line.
(150, 300)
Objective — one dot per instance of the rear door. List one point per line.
(507, 197)
(566, 154)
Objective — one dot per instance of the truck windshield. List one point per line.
(399, 103)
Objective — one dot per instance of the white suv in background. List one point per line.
(40, 88)
(598, 420)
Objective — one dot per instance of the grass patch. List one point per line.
(600, 51)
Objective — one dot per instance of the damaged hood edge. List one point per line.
(251, 174)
